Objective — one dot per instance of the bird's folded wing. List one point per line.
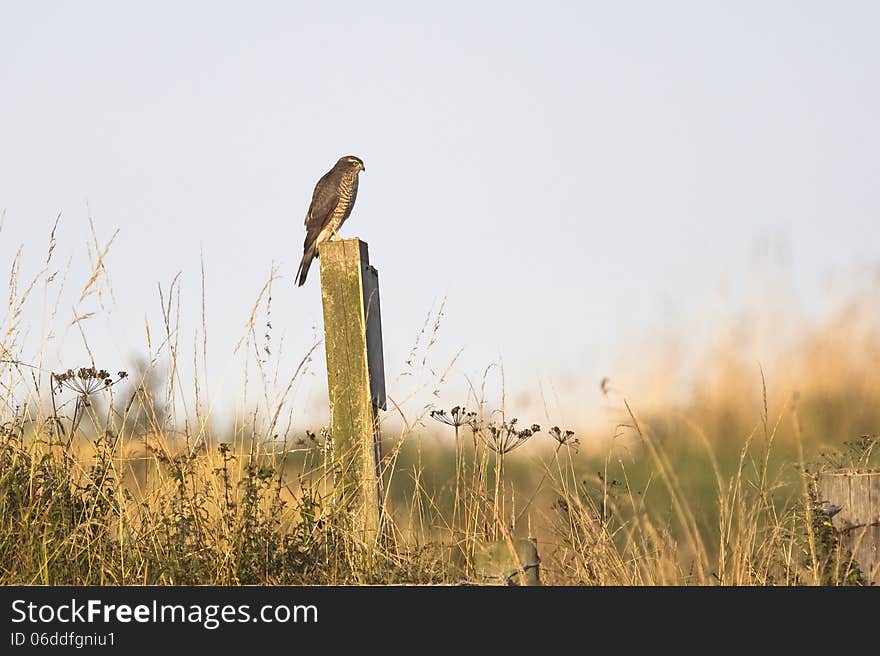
(324, 201)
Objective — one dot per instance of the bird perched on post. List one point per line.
(332, 201)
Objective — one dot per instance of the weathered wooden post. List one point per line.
(856, 493)
(355, 375)
(513, 561)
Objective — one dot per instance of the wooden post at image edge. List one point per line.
(855, 497)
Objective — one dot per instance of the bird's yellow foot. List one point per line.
(335, 235)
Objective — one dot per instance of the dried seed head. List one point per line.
(504, 438)
(84, 381)
(455, 417)
(564, 438)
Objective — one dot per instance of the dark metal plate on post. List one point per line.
(375, 355)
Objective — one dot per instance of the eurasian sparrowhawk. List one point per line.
(332, 201)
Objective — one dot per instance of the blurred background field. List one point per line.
(702, 474)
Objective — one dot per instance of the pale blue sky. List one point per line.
(572, 175)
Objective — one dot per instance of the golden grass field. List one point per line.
(107, 479)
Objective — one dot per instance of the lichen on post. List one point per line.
(355, 376)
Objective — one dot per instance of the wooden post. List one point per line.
(854, 499)
(355, 375)
(508, 562)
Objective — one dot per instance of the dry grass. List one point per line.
(133, 482)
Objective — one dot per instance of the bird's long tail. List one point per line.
(304, 265)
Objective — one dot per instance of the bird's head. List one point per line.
(353, 161)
